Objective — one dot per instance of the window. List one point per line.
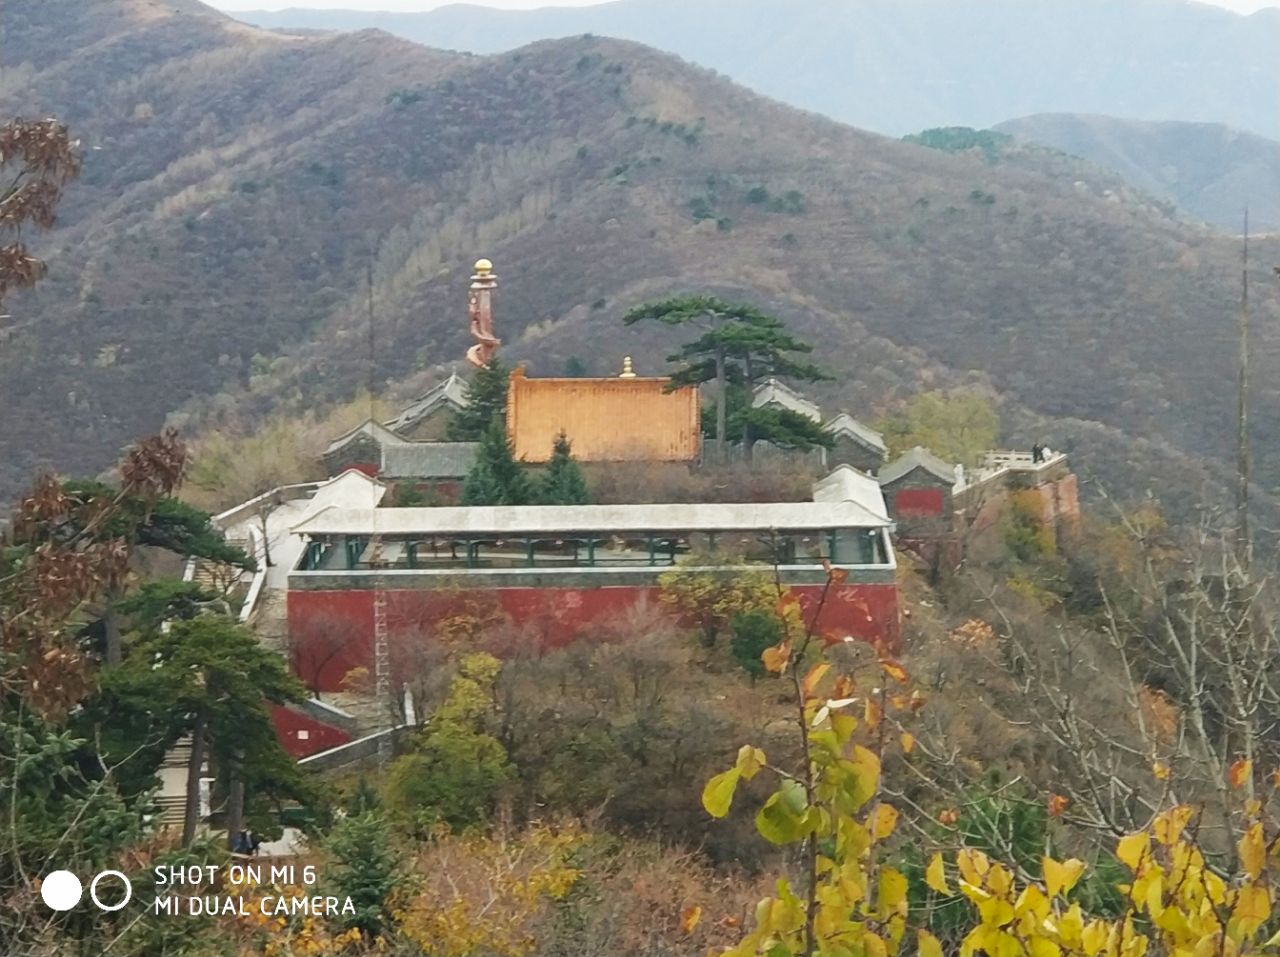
(624, 549)
(860, 546)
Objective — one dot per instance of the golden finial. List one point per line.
(627, 371)
(483, 267)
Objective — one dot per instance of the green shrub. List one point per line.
(753, 632)
(364, 869)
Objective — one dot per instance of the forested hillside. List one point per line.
(1210, 170)
(237, 183)
(897, 67)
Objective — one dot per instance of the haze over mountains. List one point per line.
(1210, 170)
(238, 182)
(899, 66)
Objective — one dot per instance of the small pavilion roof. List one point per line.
(773, 392)
(375, 430)
(847, 426)
(452, 392)
(917, 458)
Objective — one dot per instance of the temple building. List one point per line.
(628, 418)
(354, 587)
(559, 572)
(427, 417)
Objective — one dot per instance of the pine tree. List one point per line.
(496, 478)
(562, 483)
(486, 399)
(365, 870)
(740, 345)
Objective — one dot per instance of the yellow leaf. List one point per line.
(866, 768)
(893, 892)
(1253, 908)
(1160, 770)
(1240, 772)
(927, 945)
(973, 865)
(816, 674)
(689, 919)
(1057, 804)
(894, 670)
(1094, 937)
(1253, 850)
(1060, 877)
(777, 658)
(883, 820)
(750, 761)
(1169, 825)
(873, 946)
(1132, 848)
(908, 742)
(936, 875)
(1040, 947)
(995, 912)
(871, 714)
(718, 793)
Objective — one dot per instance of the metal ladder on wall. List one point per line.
(381, 639)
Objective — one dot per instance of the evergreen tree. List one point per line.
(103, 513)
(364, 869)
(496, 478)
(562, 483)
(739, 344)
(486, 400)
(753, 632)
(780, 427)
(211, 678)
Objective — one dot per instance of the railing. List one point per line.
(253, 507)
(258, 542)
(999, 461)
(360, 749)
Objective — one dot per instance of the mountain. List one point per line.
(1210, 170)
(897, 66)
(239, 184)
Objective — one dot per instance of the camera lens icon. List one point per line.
(62, 890)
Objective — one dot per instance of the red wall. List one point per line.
(332, 631)
(319, 736)
(918, 501)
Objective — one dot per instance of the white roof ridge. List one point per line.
(518, 519)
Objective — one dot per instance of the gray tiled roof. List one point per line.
(846, 425)
(452, 393)
(773, 392)
(917, 458)
(428, 460)
(379, 433)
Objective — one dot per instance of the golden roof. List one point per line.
(631, 419)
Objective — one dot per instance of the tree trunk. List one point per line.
(747, 441)
(722, 404)
(191, 814)
(235, 805)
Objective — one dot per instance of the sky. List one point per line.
(1240, 6)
